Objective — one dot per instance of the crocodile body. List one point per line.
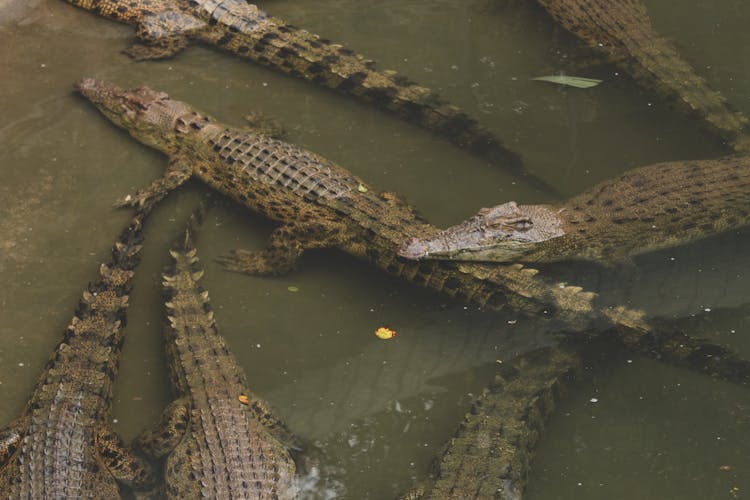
(62, 445)
(319, 204)
(216, 436)
(621, 30)
(490, 454)
(646, 209)
(166, 26)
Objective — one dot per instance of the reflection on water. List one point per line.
(380, 411)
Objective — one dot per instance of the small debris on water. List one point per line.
(20, 364)
(726, 467)
(707, 309)
(385, 333)
(512, 321)
(292, 289)
(594, 400)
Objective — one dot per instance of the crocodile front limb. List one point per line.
(62, 445)
(218, 438)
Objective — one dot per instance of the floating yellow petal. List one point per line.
(362, 188)
(385, 333)
(244, 399)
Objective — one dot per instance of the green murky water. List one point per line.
(633, 428)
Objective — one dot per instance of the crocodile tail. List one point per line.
(303, 54)
(623, 31)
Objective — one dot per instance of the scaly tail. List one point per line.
(623, 30)
(299, 53)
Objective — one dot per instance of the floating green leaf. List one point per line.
(361, 188)
(292, 289)
(571, 81)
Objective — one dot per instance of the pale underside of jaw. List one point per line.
(504, 252)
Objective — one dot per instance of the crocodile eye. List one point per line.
(523, 225)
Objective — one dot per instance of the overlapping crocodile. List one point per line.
(62, 445)
(219, 439)
(319, 204)
(621, 30)
(164, 27)
(645, 209)
(490, 454)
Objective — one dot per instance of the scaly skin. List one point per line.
(621, 30)
(490, 454)
(217, 436)
(319, 204)
(645, 209)
(164, 27)
(62, 445)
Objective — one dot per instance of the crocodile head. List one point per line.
(498, 234)
(148, 115)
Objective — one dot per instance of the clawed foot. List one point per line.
(261, 124)
(139, 201)
(140, 52)
(251, 262)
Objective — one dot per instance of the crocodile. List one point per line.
(319, 204)
(218, 439)
(164, 27)
(490, 454)
(622, 32)
(645, 209)
(62, 445)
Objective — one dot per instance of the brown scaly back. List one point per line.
(64, 447)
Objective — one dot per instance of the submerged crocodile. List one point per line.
(216, 436)
(645, 209)
(319, 204)
(164, 27)
(490, 454)
(62, 445)
(621, 30)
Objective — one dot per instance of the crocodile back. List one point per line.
(652, 207)
(57, 457)
(227, 451)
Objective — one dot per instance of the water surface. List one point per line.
(381, 410)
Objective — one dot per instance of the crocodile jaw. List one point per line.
(493, 251)
(148, 115)
(499, 234)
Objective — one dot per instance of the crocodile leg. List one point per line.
(166, 435)
(177, 173)
(163, 34)
(258, 123)
(273, 424)
(9, 439)
(285, 246)
(124, 465)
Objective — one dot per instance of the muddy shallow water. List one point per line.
(632, 428)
